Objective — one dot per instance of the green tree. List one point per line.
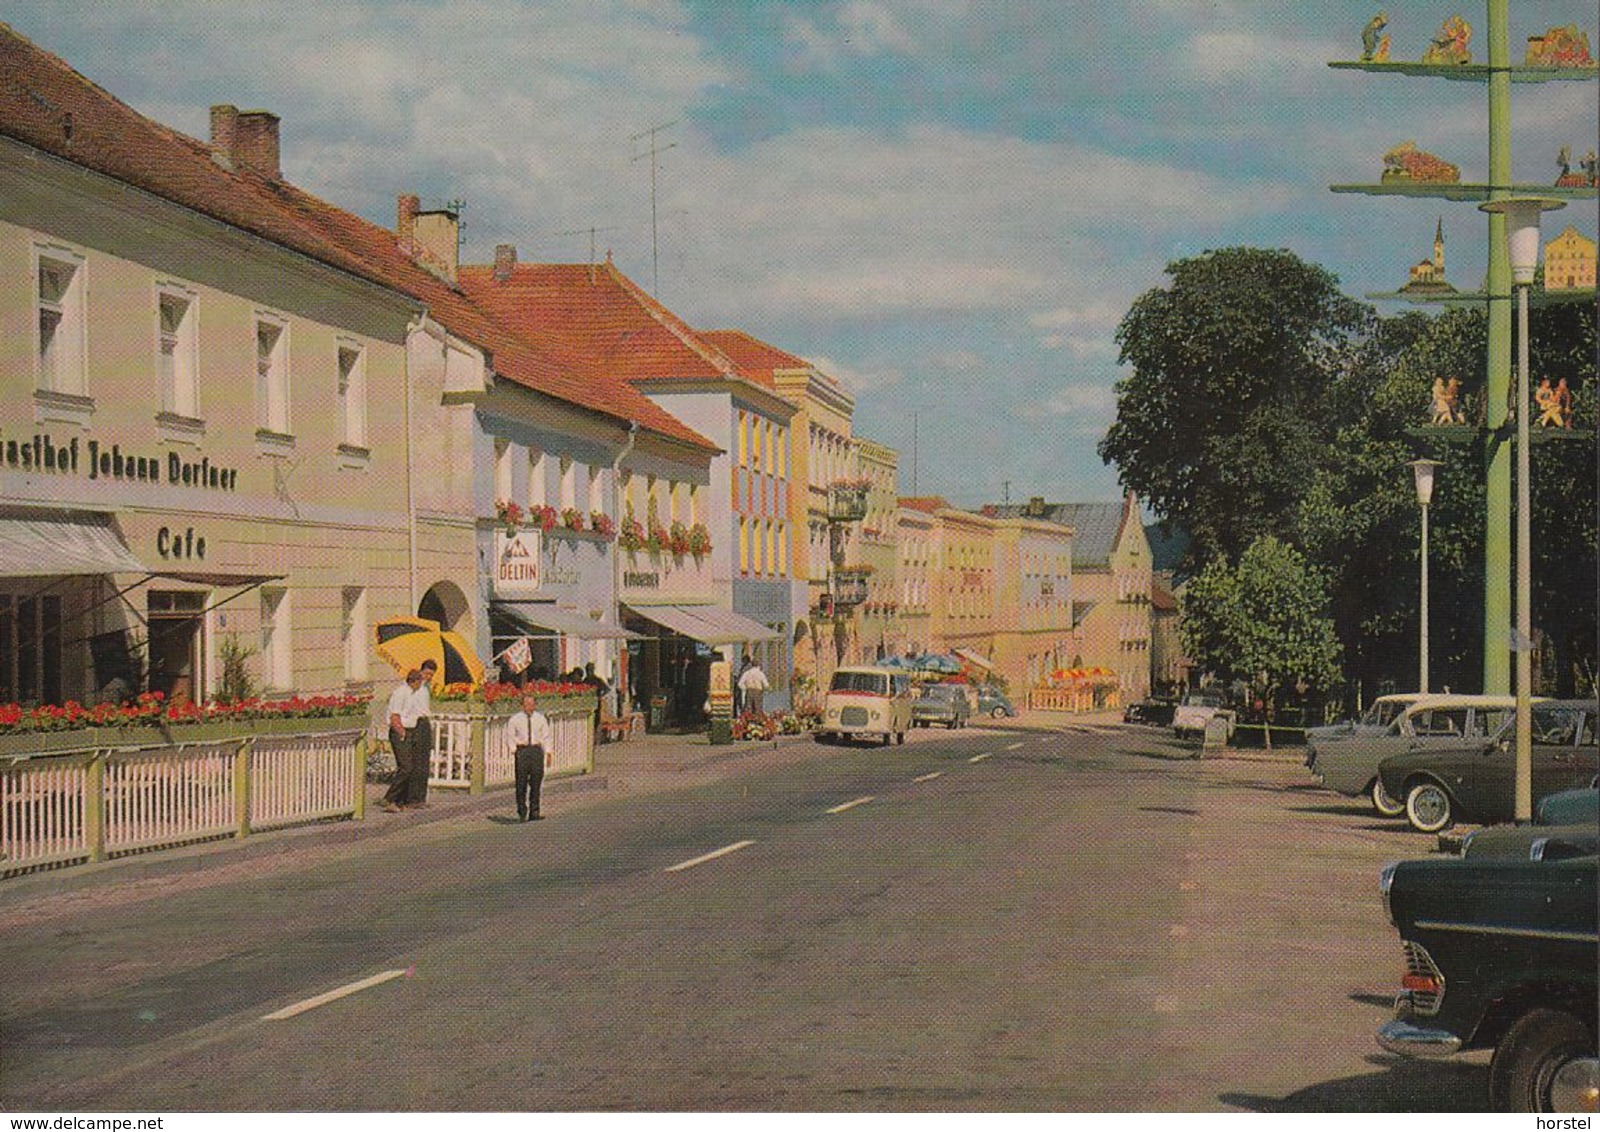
(1239, 371)
(1264, 621)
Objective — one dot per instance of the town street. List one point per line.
(995, 919)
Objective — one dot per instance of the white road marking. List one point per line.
(1013, 746)
(711, 856)
(850, 805)
(330, 996)
(979, 758)
(928, 777)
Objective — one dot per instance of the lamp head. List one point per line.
(1522, 231)
(1422, 470)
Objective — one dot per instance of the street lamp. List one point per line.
(1423, 471)
(1522, 246)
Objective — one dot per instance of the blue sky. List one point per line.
(948, 205)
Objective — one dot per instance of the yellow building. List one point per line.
(1569, 261)
(880, 632)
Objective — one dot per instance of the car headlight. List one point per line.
(876, 715)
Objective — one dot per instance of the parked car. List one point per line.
(1475, 779)
(941, 703)
(1570, 807)
(1198, 708)
(1380, 713)
(867, 702)
(1157, 711)
(1350, 766)
(1500, 954)
(1533, 841)
(994, 703)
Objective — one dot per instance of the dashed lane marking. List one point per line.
(711, 856)
(852, 804)
(980, 758)
(331, 996)
(1013, 746)
(928, 777)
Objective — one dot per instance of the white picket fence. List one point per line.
(572, 750)
(86, 805)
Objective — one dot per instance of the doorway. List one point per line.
(176, 643)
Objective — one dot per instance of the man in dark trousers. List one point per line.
(402, 724)
(528, 732)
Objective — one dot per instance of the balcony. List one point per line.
(847, 502)
(849, 586)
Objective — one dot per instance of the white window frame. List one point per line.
(272, 376)
(277, 673)
(569, 488)
(178, 380)
(538, 488)
(353, 633)
(502, 470)
(61, 359)
(350, 377)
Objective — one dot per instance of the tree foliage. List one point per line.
(1264, 621)
(1236, 370)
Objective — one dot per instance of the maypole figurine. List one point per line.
(1549, 404)
(1446, 398)
(1450, 45)
(1405, 162)
(1559, 47)
(1371, 43)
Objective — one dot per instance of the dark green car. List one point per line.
(1501, 955)
(1475, 779)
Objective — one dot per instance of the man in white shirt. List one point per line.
(752, 683)
(402, 722)
(421, 737)
(528, 732)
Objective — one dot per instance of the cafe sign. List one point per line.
(517, 563)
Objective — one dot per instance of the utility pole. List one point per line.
(654, 152)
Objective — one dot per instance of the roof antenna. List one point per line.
(653, 153)
(591, 230)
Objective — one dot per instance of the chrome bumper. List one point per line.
(1415, 1041)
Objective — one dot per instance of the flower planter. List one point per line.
(26, 743)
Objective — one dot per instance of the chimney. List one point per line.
(505, 261)
(1036, 506)
(245, 139)
(405, 223)
(438, 244)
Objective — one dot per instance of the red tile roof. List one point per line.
(756, 358)
(595, 310)
(928, 503)
(46, 104)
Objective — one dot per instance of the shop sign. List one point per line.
(184, 545)
(516, 563)
(96, 461)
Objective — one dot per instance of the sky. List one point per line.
(949, 206)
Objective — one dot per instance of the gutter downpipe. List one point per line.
(616, 557)
(427, 326)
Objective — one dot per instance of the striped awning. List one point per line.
(48, 544)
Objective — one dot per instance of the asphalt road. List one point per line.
(979, 920)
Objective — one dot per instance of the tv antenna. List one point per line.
(590, 232)
(653, 153)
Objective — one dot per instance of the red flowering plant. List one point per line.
(572, 519)
(632, 536)
(678, 539)
(151, 709)
(602, 525)
(658, 539)
(544, 517)
(699, 540)
(509, 514)
(505, 694)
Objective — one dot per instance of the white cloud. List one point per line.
(855, 380)
(1094, 404)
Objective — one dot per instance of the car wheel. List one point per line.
(951, 726)
(1545, 1063)
(1386, 806)
(900, 738)
(997, 713)
(1428, 808)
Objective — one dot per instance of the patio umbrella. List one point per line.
(405, 642)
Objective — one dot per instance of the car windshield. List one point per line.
(1203, 699)
(940, 692)
(1382, 713)
(859, 682)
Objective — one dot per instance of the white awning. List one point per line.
(708, 624)
(539, 615)
(63, 543)
(973, 658)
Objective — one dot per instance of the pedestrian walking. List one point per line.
(402, 725)
(752, 683)
(738, 682)
(601, 691)
(422, 738)
(528, 732)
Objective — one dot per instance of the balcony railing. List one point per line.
(847, 503)
(849, 587)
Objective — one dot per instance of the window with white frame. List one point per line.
(272, 375)
(275, 655)
(61, 323)
(744, 545)
(352, 395)
(569, 488)
(177, 354)
(353, 632)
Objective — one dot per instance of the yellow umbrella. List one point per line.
(405, 642)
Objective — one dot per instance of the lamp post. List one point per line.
(1522, 245)
(1422, 470)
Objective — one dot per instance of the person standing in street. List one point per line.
(738, 685)
(402, 724)
(528, 732)
(752, 683)
(422, 738)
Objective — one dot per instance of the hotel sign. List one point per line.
(96, 461)
(517, 563)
